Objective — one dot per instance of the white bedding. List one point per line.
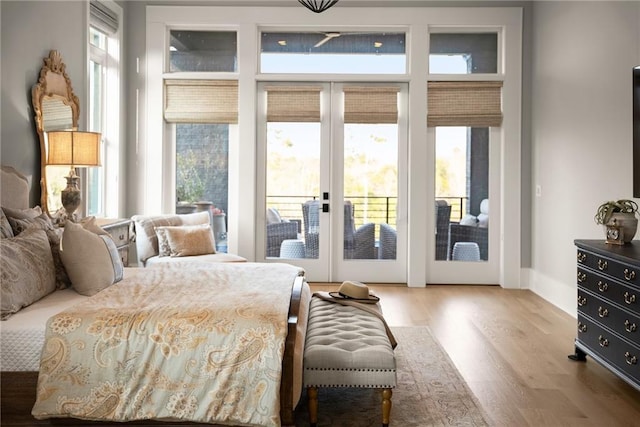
(22, 335)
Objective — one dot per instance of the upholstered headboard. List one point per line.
(14, 188)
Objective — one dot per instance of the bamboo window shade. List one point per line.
(201, 101)
(371, 104)
(293, 103)
(472, 104)
(103, 17)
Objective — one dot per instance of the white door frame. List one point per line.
(331, 266)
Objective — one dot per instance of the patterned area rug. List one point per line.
(430, 392)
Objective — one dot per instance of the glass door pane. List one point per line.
(370, 190)
(462, 194)
(292, 189)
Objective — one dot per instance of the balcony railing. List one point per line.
(378, 210)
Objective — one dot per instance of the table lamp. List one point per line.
(74, 149)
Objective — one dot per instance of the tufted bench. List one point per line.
(347, 347)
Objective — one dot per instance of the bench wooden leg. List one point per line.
(312, 392)
(386, 406)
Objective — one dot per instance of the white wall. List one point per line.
(582, 57)
(30, 29)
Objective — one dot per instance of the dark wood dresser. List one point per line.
(609, 307)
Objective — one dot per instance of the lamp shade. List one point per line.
(73, 148)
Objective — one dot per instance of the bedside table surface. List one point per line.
(113, 222)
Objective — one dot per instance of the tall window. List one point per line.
(102, 195)
(462, 111)
(205, 115)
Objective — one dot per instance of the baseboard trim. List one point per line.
(554, 291)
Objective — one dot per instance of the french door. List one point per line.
(467, 205)
(332, 157)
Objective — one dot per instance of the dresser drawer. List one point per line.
(609, 315)
(616, 351)
(609, 289)
(626, 273)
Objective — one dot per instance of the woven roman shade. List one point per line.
(103, 17)
(201, 101)
(293, 103)
(371, 104)
(472, 104)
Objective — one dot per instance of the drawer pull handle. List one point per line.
(581, 257)
(121, 237)
(582, 276)
(602, 264)
(603, 341)
(631, 360)
(603, 312)
(629, 298)
(582, 327)
(582, 301)
(629, 274)
(602, 286)
(629, 327)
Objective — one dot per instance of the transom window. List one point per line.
(466, 53)
(333, 52)
(214, 51)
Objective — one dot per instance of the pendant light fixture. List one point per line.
(318, 5)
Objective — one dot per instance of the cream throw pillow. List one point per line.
(92, 261)
(190, 240)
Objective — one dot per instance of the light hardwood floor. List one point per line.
(511, 347)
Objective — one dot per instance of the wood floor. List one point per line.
(510, 346)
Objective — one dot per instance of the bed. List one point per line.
(23, 336)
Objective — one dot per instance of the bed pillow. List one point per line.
(91, 260)
(190, 240)
(164, 248)
(27, 271)
(22, 213)
(5, 228)
(43, 222)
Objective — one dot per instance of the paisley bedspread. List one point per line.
(200, 343)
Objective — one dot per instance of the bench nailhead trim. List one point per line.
(350, 386)
(350, 369)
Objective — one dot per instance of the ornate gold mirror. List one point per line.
(56, 107)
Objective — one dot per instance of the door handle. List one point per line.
(325, 207)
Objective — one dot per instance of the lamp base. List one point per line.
(71, 196)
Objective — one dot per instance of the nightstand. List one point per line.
(119, 231)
